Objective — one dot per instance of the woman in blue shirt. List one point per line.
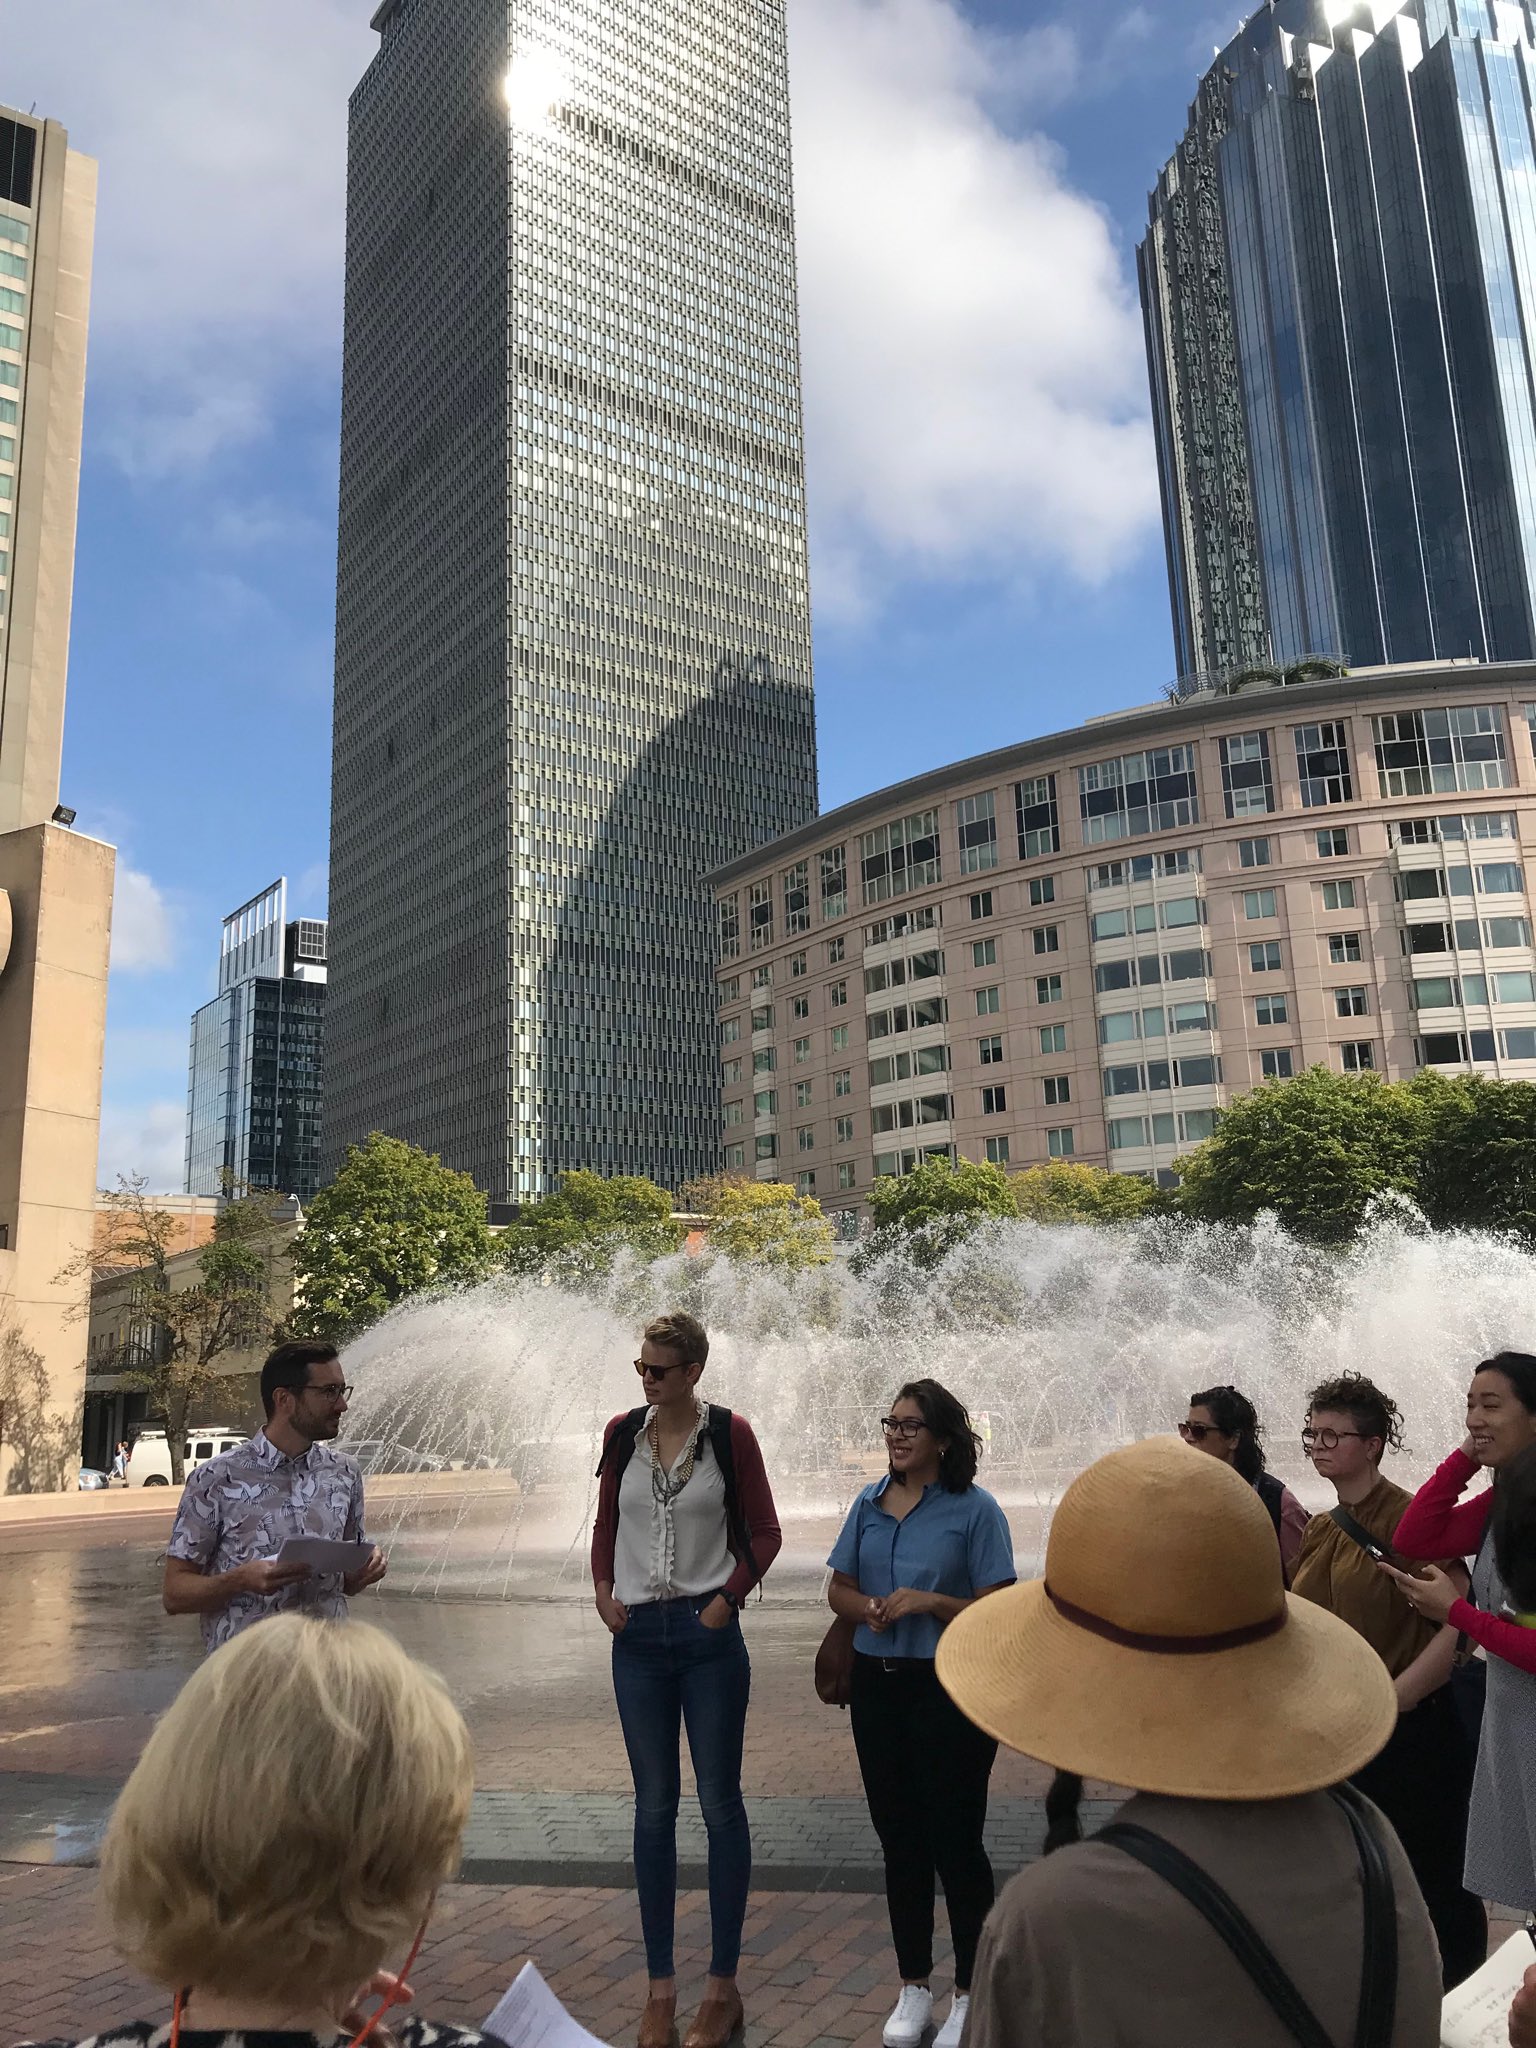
(917, 1547)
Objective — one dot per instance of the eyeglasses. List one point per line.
(901, 1425)
(335, 1393)
(1197, 1432)
(1328, 1439)
(659, 1372)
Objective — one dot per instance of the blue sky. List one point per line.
(987, 561)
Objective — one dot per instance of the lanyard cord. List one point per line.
(363, 2033)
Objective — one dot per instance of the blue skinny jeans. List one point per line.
(670, 1671)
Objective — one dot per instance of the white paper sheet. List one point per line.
(322, 1555)
(1476, 2014)
(530, 2016)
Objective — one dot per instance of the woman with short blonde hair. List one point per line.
(284, 1834)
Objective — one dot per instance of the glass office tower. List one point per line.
(256, 1071)
(573, 668)
(1339, 287)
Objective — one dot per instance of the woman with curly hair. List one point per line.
(1422, 1780)
(1225, 1423)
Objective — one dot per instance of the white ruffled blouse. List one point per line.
(677, 1549)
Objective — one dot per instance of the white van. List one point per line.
(149, 1462)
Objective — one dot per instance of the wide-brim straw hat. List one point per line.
(1161, 1650)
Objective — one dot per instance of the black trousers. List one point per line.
(1422, 1781)
(925, 1769)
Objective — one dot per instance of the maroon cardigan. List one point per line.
(1433, 1525)
(753, 1494)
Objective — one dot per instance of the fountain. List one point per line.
(1062, 1340)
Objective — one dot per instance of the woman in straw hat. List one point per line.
(283, 1837)
(1161, 1651)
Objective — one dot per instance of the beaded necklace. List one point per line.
(664, 1488)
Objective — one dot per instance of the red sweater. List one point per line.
(754, 1497)
(1440, 1524)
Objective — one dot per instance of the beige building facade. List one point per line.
(1084, 946)
(55, 886)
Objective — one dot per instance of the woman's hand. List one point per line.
(906, 1600)
(1469, 1448)
(1522, 2014)
(718, 1613)
(875, 1618)
(615, 1614)
(1433, 1596)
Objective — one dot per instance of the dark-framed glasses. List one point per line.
(332, 1393)
(905, 1426)
(1197, 1432)
(659, 1372)
(1328, 1439)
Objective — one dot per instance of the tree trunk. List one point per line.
(176, 1406)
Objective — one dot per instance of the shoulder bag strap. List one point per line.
(1228, 1920)
(1341, 1518)
(718, 1427)
(1376, 2020)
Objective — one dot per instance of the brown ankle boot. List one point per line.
(717, 2022)
(658, 2024)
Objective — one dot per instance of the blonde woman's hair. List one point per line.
(681, 1333)
(291, 1815)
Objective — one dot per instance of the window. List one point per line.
(981, 905)
(902, 925)
(977, 816)
(1246, 782)
(1507, 931)
(735, 1112)
(844, 1130)
(730, 1073)
(1046, 938)
(802, 1095)
(729, 991)
(988, 1002)
(1129, 1080)
(1130, 794)
(762, 977)
(1127, 1132)
(1351, 1002)
(1258, 903)
(839, 1037)
(766, 1102)
(984, 953)
(730, 1030)
(1514, 988)
(1253, 853)
(805, 1183)
(1035, 808)
(1042, 889)
(801, 1006)
(845, 1172)
(1359, 1057)
(735, 1158)
(1419, 753)
(728, 911)
(1437, 991)
(1109, 924)
(1060, 1144)
(765, 1061)
(802, 1051)
(836, 951)
(1343, 948)
(762, 1017)
(760, 915)
(1053, 1038)
(1500, 878)
(1331, 841)
(1264, 957)
(837, 994)
(997, 1151)
(1519, 1045)
(797, 899)
(1322, 763)
(766, 1146)
(991, 1050)
(833, 864)
(1196, 1125)
(900, 856)
(805, 1138)
(842, 1082)
(1057, 1088)
(1338, 896)
(799, 966)
(994, 1101)
(1278, 1064)
(1270, 1010)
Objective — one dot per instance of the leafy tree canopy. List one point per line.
(1063, 1191)
(394, 1220)
(579, 1231)
(762, 1222)
(927, 1212)
(1478, 1170)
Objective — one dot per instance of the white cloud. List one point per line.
(147, 1138)
(143, 925)
(975, 380)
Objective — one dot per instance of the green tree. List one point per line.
(394, 1220)
(762, 1222)
(1479, 1159)
(1062, 1191)
(927, 1212)
(178, 1334)
(1317, 1150)
(578, 1232)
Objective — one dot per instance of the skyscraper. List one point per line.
(1339, 284)
(55, 885)
(573, 668)
(256, 1068)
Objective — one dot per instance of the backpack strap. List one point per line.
(718, 1429)
(620, 1447)
(1272, 1492)
(1378, 1969)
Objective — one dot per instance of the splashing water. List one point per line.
(1063, 1341)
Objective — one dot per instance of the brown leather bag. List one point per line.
(834, 1664)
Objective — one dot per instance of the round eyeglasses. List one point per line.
(1328, 1439)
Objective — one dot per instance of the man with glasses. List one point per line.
(238, 1510)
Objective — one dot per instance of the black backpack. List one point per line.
(1272, 1492)
(620, 1448)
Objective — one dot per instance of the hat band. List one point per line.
(1167, 1646)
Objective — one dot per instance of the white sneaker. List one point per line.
(912, 2018)
(949, 2034)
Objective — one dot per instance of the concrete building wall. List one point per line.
(1001, 1002)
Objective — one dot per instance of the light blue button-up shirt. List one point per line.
(951, 1543)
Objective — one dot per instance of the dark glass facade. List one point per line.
(573, 669)
(1338, 285)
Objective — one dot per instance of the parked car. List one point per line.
(92, 1481)
(149, 1462)
(380, 1454)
